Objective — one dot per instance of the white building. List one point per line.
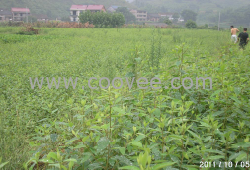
(140, 15)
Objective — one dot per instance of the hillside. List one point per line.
(57, 8)
(196, 5)
(206, 9)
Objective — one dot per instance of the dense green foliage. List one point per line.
(168, 21)
(129, 17)
(102, 19)
(134, 129)
(191, 24)
(57, 8)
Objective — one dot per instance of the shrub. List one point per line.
(101, 19)
(191, 24)
(28, 30)
(168, 22)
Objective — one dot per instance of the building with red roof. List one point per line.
(96, 8)
(75, 10)
(79, 7)
(20, 14)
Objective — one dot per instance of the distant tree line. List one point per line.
(102, 19)
(240, 16)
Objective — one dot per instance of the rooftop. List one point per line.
(87, 7)
(78, 7)
(115, 7)
(20, 10)
(5, 12)
(95, 7)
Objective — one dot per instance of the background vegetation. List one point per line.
(234, 12)
(102, 19)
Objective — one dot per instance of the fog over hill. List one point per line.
(196, 5)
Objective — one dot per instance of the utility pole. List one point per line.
(219, 22)
(26, 15)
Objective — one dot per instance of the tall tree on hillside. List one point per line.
(189, 15)
(129, 17)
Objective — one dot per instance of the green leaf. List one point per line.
(87, 155)
(45, 160)
(175, 158)
(52, 155)
(176, 137)
(3, 164)
(122, 150)
(215, 151)
(70, 160)
(190, 167)
(217, 113)
(241, 157)
(215, 157)
(235, 99)
(85, 139)
(194, 135)
(58, 166)
(130, 167)
(215, 93)
(140, 137)
(119, 110)
(139, 144)
(241, 144)
(102, 144)
(80, 146)
(235, 155)
(163, 165)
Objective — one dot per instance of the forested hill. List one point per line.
(195, 5)
(56, 8)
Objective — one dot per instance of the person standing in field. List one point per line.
(233, 34)
(244, 38)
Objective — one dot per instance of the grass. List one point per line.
(108, 129)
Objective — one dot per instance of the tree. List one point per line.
(85, 17)
(191, 24)
(118, 20)
(102, 19)
(189, 15)
(176, 16)
(240, 16)
(168, 22)
(129, 17)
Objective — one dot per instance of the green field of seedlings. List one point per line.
(111, 129)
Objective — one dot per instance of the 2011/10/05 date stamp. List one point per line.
(224, 164)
